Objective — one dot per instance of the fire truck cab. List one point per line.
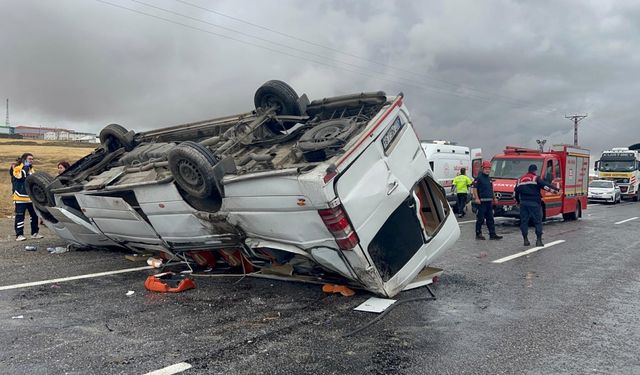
(563, 165)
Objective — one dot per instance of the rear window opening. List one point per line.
(433, 205)
(412, 224)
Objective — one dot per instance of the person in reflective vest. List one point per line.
(527, 194)
(21, 200)
(461, 184)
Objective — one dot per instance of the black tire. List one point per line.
(333, 133)
(192, 167)
(277, 94)
(571, 216)
(114, 137)
(36, 185)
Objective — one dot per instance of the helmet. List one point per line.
(486, 164)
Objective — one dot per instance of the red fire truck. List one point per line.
(566, 166)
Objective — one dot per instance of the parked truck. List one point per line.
(622, 166)
(564, 165)
(447, 158)
(333, 190)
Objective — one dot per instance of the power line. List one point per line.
(423, 76)
(405, 80)
(375, 76)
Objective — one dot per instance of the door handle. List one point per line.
(392, 186)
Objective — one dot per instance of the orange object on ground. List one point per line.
(169, 282)
(335, 288)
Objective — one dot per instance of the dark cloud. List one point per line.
(486, 74)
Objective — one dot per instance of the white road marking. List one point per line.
(169, 370)
(63, 279)
(624, 221)
(465, 222)
(527, 252)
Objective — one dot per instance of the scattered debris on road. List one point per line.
(169, 282)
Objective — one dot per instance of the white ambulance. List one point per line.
(447, 158)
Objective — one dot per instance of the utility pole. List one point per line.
(541, 143)
(576, 119)
(6, 122)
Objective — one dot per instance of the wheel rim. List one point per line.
(272, 101)
(327, 133)
(114, 144)
(190, 174)
(39, 194)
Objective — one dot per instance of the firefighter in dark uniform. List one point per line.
(528, 196)
(483, 197)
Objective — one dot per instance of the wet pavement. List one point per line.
(569, 308)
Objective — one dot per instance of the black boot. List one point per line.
(495, 237)
(479, 236)
(526, 242)
(539, 241)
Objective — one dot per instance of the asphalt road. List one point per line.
(570, 308)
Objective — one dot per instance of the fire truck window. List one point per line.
(556, 167)
(549, 172)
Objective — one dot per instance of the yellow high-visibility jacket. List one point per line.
(19, 174)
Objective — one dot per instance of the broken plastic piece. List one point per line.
(154, 262)
(375, 305)
(169, 282)
(335, 288)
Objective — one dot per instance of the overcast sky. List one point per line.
(481, 73)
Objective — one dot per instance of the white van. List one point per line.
(337, 189)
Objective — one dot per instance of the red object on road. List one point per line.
(169, 282)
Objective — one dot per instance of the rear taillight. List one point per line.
(336, 221)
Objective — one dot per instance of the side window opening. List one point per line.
(556, 167)
(549, 172)
(431, 199)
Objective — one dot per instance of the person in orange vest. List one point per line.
(21, 200)
(483, 197)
